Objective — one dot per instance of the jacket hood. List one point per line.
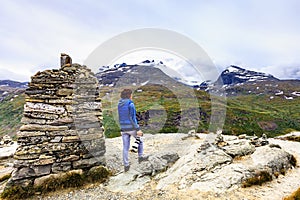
(122, 102)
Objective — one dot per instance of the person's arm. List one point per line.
(133, 119)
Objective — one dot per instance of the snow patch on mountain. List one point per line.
(174, 69)
(296, 94)
(235, 75)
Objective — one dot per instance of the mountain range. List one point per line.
(257, 102)
(13, 84)
(235, 80)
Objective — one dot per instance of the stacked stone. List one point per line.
(62, 125)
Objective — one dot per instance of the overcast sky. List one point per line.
(261, 35)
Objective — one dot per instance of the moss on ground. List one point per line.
(294, 196)
(6, 177)
(245, 114)
(67, 180)
(258, 179)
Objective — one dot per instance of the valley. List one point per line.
(252, 106)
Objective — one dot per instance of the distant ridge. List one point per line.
(13, 84)
(235, 74)
(256, 103)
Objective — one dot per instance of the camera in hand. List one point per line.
(136, 144)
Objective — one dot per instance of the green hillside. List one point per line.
(257, 114)
(249, 114)
(11, 110)
(245, 114)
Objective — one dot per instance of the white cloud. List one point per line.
(20, 71)
(281, 72)
(254, 34)
(38, 38)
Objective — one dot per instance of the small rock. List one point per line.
(239, 148)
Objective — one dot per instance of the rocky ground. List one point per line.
(147, 181)
(6, 160)
(293, 136)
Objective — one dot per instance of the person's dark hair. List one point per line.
(126, 93)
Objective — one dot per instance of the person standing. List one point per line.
(129, 127)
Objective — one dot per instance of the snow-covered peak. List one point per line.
(13, 84)
(151, 63)
(233, 68)
(235, 75)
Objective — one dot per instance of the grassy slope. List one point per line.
(244, 113)
(242, 116)
(11, 110)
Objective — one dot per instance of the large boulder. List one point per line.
(273, 159)
(202, 166)
(222, 178)
(211, 168)
(157, 163)
(189, 168)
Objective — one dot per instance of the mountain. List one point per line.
(235, 75)
(9, 89)
(109, 75)
(256, 102)
(144, 73)
(154, 92)
(13, 84)
(236, 81)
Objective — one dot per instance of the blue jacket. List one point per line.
(127, 115)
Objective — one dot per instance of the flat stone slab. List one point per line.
(8, 151)
(293, 136)
(140, 173)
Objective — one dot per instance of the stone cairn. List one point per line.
(62, 125)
